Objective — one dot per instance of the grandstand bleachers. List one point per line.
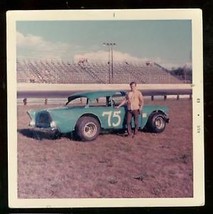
(59, 71)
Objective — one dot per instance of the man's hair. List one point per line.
(131, 83)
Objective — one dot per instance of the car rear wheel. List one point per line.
(87, 128)
(156, 122)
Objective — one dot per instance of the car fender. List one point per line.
(65, 122)
(150, 109)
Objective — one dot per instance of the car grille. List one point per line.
(43, 120)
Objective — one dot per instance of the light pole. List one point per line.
(111, 73)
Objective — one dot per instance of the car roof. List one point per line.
(91, 95)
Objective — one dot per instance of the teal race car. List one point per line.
(87, 114)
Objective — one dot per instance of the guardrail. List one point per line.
(45, 94)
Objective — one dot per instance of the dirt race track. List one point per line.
(112, 166)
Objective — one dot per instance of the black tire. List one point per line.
(156, 122)
(87, 128)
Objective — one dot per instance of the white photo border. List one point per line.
(195, 15)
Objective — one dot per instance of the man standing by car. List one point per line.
(134, 100)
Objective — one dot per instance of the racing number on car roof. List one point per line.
(111, 115)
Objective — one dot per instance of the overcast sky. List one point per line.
(167, 42)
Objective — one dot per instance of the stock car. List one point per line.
(86, 114)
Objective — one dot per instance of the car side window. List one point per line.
(110, 101)
(99, 102)
(117, 99)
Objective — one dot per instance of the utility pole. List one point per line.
(111, 72)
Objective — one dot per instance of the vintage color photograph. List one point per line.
(105, 108)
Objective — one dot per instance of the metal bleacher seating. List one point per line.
(59, 71)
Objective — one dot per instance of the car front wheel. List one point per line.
(156, 122)
(87, 128)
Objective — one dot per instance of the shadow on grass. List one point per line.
(39, 135)
(54, 135)
(47, 135)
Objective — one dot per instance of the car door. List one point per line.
(113, 117)
(109, 116)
